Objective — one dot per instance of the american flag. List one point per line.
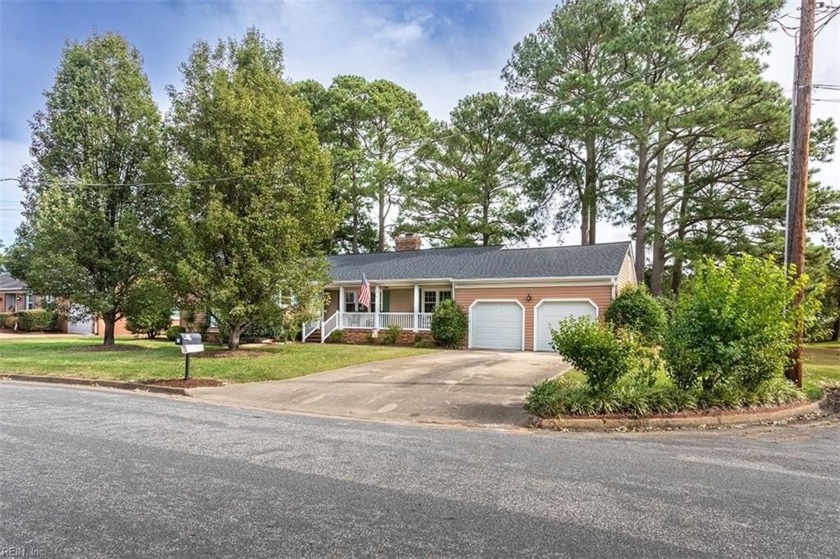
(364, 292)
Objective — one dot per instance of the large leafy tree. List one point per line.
(91, 214)
(374, 130)
(564, 75)
(468, 189)
(682, 60)
(257, 207)
(341, 114)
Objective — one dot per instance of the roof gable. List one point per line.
(8, 283)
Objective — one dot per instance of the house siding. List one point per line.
(627, 274)
(601, 295)
(401, 300)
(332, 304)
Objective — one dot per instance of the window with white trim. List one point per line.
(30, 302)
(352, 305)
(432, 298)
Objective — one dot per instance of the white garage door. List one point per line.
(496, 325)
(549, 313)
(82, 324)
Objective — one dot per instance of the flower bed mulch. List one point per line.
(181, 383)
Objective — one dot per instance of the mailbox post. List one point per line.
(190, 343)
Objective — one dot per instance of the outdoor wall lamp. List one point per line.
(528, 298)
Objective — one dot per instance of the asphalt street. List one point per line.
(96, 473)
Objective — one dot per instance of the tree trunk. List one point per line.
(233, 339)
(109, 318)
(354, 243)
(381, 245)
(588, 204)
(835, 336)
(584, 223)
(641, 207)
(658, 265)
(677, 272)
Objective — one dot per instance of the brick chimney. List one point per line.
(409, 241)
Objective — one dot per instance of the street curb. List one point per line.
(122, 385)
(714, 419)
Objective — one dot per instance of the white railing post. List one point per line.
(341, 305)
(416, 319)
(378, 308)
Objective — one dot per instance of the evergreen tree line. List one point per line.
(651, 113)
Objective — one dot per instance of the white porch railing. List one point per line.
(310, 327)
(364, 320)
(367, 320)
(330, 325)
(425, 320)
(404, 320)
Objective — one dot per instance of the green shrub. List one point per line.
(449, 324)
(336, 336)
(637, 310)
(425, 343)
(7, 320)
(733, 324)
(594, 349)
(148, 308)
(570, 397)
(173, 331)
(37, 321)
(391, 335)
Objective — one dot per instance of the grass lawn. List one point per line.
(162, 359)
(822, 365)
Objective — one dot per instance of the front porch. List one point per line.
(410, 307)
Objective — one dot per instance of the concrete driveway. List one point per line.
(463, 387)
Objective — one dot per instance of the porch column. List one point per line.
(341, 307)
(378, 307)
(322, 322)
(416, 308)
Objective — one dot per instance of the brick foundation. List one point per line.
(406, 338)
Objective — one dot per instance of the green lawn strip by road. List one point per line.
(161, 359)
(822, 366)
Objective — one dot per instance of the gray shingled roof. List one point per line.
(482, 263)
(8, 283)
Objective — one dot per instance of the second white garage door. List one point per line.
(549, 313)
(496, 325)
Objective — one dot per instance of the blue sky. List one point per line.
(440, 50)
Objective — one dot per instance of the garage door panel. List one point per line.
(496, 325)
(549, 314)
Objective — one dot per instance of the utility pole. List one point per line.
(798, 179)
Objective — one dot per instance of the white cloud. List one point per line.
(399, 35)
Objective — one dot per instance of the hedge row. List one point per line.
(31, 321)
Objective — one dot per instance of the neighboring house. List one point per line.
(512, 296)
(15, 295)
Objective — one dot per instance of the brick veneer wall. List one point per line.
(406, 337)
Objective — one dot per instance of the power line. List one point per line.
(70, 182)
